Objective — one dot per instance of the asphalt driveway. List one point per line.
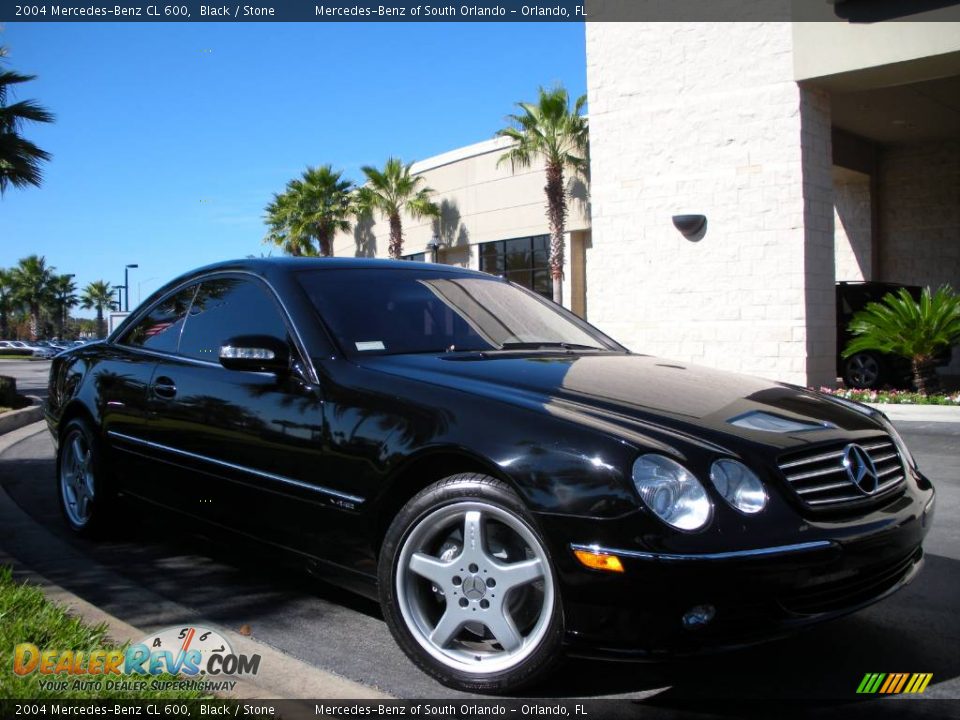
(231, 584)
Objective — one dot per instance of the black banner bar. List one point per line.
(848, 11)
(471, 709)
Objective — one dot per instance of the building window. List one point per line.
(525, 261)
(416, 257)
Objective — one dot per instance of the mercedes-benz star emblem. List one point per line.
(860, 469)
(473, 588)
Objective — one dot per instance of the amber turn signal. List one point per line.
(599, 561)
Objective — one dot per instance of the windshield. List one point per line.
(394, 312)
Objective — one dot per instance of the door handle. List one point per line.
(164, 387)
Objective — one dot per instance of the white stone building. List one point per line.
(818, 152)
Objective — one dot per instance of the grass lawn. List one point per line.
(26, 616)
(16, 357)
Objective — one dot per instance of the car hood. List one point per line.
(637, 393)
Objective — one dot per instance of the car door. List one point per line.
(124, 380)
(253, 441)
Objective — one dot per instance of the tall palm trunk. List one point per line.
(101, 330)
(325, 240)
(396, 237)
(557, 216)
(34, 320)
(925, 376)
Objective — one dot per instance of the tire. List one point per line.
(479, 617)
(84, 484)
(863, 371)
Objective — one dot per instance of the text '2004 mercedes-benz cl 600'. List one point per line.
(509, 483)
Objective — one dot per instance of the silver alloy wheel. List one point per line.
(464, 610)
(863, 370)
(76, 478)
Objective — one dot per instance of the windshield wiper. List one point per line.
(538, 345)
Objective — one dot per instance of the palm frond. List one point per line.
(20, 159)
(904, 326)
(302, 216)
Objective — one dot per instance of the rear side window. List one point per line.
(160, 328)
(225, 307)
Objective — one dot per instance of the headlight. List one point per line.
(739, 486)
(672, 492)
(898, 441)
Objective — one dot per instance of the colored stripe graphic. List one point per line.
(894, 683)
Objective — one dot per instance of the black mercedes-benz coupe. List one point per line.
(510, 483)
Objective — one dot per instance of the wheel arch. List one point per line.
(76, 409)
(423, 470)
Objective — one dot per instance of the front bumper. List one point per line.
(757, 594)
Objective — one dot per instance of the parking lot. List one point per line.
(159, 566)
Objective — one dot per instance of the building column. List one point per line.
(701, 118)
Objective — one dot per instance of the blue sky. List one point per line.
(171, 138)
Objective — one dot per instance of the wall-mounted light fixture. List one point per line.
(434, 247)
(692, 227)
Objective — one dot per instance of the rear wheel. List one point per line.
(468, 588)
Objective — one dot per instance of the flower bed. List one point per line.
(893, 397)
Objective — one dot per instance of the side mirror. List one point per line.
(255, 353)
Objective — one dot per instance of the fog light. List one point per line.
(599, 561)
(698, 616)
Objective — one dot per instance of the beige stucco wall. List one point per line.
(480, 201)
(920, 213)
(922, 49)
(852, 222)
(728, 133)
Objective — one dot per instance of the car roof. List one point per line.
(306, 263)
(268, 267)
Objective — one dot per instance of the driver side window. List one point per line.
(160, 329)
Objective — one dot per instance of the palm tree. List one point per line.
(6, 302)
(313, 207)
(19, 158)
(99, 295)
(391, 191)
(916, 330)
(65, 297)
(33, 287)
(285, 227)
(551, 130)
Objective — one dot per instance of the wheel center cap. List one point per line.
(474, 588)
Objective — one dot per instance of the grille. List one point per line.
(820, 479)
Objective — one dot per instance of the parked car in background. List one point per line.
(509, 482)
(44, 351)
(871, 369)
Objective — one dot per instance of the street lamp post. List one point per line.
(126, 284)
(120, 289)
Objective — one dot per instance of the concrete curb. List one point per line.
(281, 676)
(919, 413)
(24, 416)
